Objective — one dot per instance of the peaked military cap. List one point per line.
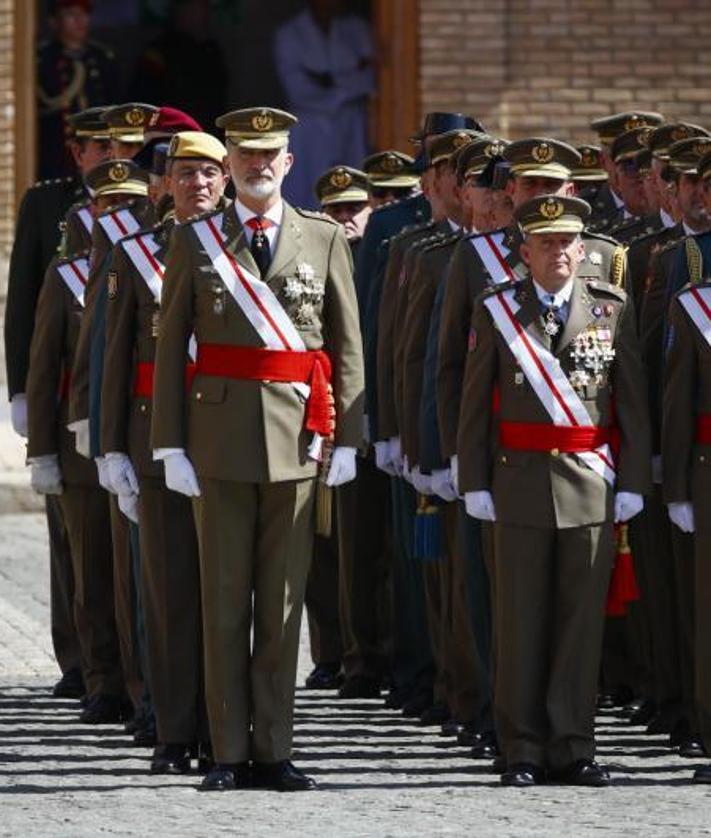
(629, 144)
(117, 177)
(261, 128)
(686, 155)
(541, 157)
(439, 122)
(342, 185)
(445, 145)
(128, 123)
(704, 166)
(590, 168)
(89, 124)
(391, 169)
(608, 128)
(662, 138)
(475, 156)
(190, 145)
(552, 214)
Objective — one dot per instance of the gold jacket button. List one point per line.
(554, 452)
(198, 395)
(143, 408)
(503, 459)
(702, 458)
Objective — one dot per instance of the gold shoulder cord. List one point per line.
(618, 266)
(693, 260)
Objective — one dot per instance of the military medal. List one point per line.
(551, 325)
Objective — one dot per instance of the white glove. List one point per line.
(627, 505)
(102, 467)
(395, 455)
(18, 414)
(442, 484)
(454, 468)
(122, 477)
(382, 457)
(480, 505)
(656, 469)
(128, 504)
(45, 475)
(180, 475)
(343, 466)
(421, 482)
(682, 514)
(82, 441)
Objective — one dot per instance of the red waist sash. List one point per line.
(251, 363)
(143, 380)
(703, 429)
(535, 436)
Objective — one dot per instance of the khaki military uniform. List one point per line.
(170, 574)
(78, 226)
(686, 458)
(554, 540)
(84, 504)
(248, 444)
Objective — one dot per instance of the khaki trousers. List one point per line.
(86, 514)
(255, 549)
(170, 594)
(61, 588)
(551, 587)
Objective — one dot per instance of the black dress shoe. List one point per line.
(70, 685)
(450, 728)
(469, 734)
(703, 774)
(226, 777)
(103, 710)
(171, 759)
(679, 733)
(396, 698)
(644, 713)
(416, 705)
(324, 676)
(692, 748)
(281, 776)
(359, 686)
(437, 714)
(583, 772)
(486, 747)
(522, 774)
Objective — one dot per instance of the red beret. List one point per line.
(170, 121)
(58, 5)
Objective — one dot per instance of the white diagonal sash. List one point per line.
(75, 274)
(697, 303)
(141, 250)
(493, 256)
(86, 218)
(254, 297)
(118, 224)
(548, 380)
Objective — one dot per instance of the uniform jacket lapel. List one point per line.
(529, 313)
(236, 240)
(288, 244)
(579, 316)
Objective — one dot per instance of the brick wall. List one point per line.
(551, 66)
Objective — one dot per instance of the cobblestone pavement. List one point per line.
(379, 775)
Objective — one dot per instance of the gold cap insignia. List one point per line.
(643, 137)
(701, 148)
(341, 179)
(494, 149)
(588, 159)
(262, 121)
(551, 209)
(460, 140)
(681, 132)
(118, 172)
(135, 117)
(635, 121)
(392, 164)
(542, 153)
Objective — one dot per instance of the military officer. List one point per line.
(559, 348)
(342, 193)
(128, 125)
(590, 175)
(607, 208)
(268, 292)
(170, 582)
(391, 176)
(39, 227)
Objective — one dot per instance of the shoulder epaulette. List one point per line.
(489, 291)
(411, 229)
(694, 260)
(65, 260)
(200, 216)
(319, 216)
(671, 244)
(593, 234)
(478, 235)
(607, 288)
(43, 184)
(445, 240)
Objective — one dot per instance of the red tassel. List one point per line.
(623, 583)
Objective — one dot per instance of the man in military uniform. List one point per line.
(73, 73)
(37, 236)
(342, 193)
(391, 176)
(129, 124)
(590, 175)
(607, 208)
(686, 437)
(559, 349)
(268, 292)
(169, 569)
